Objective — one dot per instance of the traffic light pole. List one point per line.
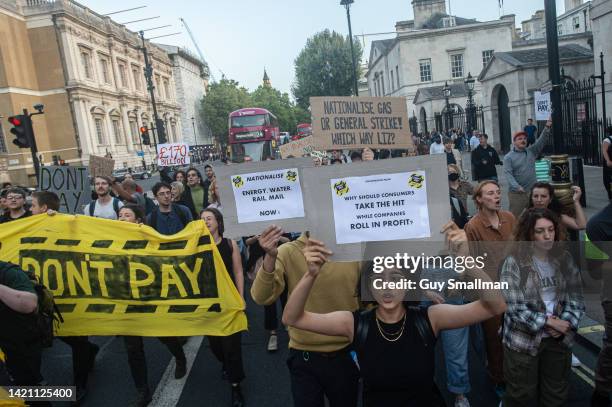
(154, 132)
(151, 87)
(32, 142)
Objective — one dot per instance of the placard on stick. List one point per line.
(257, 195)
(173, 154)
(71, 184)
(297, 148)
(386, 204)
(101, 166)
(359, 122)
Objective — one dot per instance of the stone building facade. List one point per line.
(601, 14)
(88, 72)
(191, 79)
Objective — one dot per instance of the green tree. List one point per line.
(278, 104)
(324, 67)
(223, 97)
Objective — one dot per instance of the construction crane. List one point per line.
(198, 48)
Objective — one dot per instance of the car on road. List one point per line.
(120, 174)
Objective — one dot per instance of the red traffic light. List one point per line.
(14, 121)
(144, 129)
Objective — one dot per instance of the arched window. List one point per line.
(115, 117)
(98, 115)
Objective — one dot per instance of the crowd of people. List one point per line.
(342, 330)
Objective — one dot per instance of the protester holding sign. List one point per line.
(228, 349)
(135, 345)
(319, 365)
(545, 305)
(393, 332)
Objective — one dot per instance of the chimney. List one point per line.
(425, 9)
(572, 4)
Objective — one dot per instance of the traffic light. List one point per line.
(20, 130)
(161, 131)
(144, 134)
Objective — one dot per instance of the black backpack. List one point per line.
(149, 205)
(48, 316)
(92, 206)
(175, 209)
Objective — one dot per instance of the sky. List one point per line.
(242, 37)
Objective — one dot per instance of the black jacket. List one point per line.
(484, 161)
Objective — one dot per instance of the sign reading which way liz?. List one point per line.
(269, 195)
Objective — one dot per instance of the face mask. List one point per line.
(453, 177)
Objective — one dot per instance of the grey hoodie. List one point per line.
(519, 166)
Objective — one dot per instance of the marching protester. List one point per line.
(484, 160)
(178, 192)
(198, 187)
(453, 156)
(168, 218)
(488, 226)
(105, 206)
(474, 140)
(3, 202)
(436, 147)
(519, 168)
(393, 332)
(214, 199)
(84, 352)
(531, 131)
(22, 343)
(543, 196)
(545, 305)
(228, 349)
(606, 149)
(15, 205)
(180, 176)
(127, 190)
(135, 344)
(459, 188)
(319, 365)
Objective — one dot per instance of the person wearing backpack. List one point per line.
(392, 333)
(168, 218)
(106, 206)
(20, 338)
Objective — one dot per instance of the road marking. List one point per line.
(169, 390)
(591, 329)
(583, 376)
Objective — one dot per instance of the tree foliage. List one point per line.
(324, 67)
(222, 98)
(278, 103)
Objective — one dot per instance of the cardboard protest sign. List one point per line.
(118, 278)
(385, 204)
(358, 122)
(173, 154)
(256, 195)
(542, 104)
(297, 148)
(101, 166)
(71, 184)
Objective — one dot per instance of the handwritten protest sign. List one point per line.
(255, 195)
(101, 166)
(358, 122)
(71, 184)
(173, 154)
(542, 104)
(386, 205)
(297, 148)
(380, 207)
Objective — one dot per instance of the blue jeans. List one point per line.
(455, 347)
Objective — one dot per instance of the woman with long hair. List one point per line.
(228, 349)
(178, 191)
(545, 304)
(543, 196)
(393, 333)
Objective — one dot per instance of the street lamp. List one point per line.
(347, 5)
(469, 86)
(446, 91)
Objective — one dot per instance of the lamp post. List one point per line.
(469, 86)
(347, 5)
(446, 91)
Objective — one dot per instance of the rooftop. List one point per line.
(436, 92)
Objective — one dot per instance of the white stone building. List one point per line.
(601, 14)
(433, 49)
(575, 19)
(191, 78)
(103, 69)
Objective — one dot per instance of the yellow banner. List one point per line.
(118, 278)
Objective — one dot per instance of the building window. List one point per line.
(104, 70)
(117, 132)
(382, 84)
(157, 80)
(86, 62)
(486, 56)
(392, 81)
(173, 129)
(425, 70)
(457, 66)
(560, 29)
(136, 77)
(167, 89)
(397, 75)
(3, 148)
(576, 22)
(100, 131)
(123, 75)
(135, 133)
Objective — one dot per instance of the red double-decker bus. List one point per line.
(303, 130)
(254, 133)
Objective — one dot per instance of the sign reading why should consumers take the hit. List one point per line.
(173, 154)
(380, 207)
(269, 195)
(358, 122)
